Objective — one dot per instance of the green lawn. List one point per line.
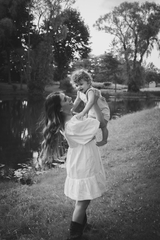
(130, 208)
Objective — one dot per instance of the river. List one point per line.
(20, 132)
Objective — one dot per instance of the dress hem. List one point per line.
(86, 188)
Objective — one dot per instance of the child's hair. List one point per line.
(79, 75)
(53, 122)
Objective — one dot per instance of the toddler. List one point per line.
(95, 104)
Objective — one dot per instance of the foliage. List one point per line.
(26, 48)
(5, 172)
(104, 68)
(13, 28)
(25, 174)
(109, 68)
(85, 63)
(41, 67)
(66, 85)
(74, 45)
(152, 76)
(135, 29)
(41, 64)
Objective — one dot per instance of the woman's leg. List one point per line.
(79, 220)
(80, 211)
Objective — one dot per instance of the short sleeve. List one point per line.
(82, 131)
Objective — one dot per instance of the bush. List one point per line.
(66, 85)
(25, 174)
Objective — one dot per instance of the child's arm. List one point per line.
(76, 103)
(91, 101)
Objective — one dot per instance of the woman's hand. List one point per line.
(80, 116)
(73, 112)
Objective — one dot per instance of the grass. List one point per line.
(130, 208)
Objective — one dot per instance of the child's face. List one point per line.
(82, 86)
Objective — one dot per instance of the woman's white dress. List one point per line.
(85, 173)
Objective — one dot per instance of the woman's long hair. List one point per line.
(54, 120)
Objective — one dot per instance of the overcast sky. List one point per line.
(91, 10)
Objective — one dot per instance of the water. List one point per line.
(120, 107)
(20, 134)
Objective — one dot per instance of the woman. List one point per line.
(85, 173)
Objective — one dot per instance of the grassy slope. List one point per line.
(130, 208)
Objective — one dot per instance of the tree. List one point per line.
(110, 64)
(25, 48)
(74, 45)
(152, 74)
(13, 18)
(135, 29)
(40, 45)
(50, 28)
(82, 63)
(104, 68)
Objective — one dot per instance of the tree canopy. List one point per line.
(39, 39)
(14, 16)
(135, 29)
(74, 45)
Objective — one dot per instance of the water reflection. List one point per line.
(20, 135)
(121, 107)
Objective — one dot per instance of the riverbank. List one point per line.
(130, 208)
(12, 90)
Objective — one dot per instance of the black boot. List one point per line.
(85, 222)
(86, 227)
(76, 231)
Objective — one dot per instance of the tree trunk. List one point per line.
(132, 80)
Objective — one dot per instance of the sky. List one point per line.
(91, 10)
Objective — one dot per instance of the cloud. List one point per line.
(90, 10)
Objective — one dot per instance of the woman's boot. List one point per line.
(85, 222)
(76, 231)
(86, 227)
